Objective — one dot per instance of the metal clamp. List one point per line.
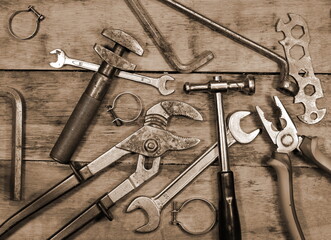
(119, 121)
(39, 16)
(182, 226)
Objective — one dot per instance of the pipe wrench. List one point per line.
(288, 140)
(153, 206)
(152, 140)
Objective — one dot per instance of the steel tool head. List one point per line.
(162, 85)
(152, 211)
(234, 127)
(124, 39)
(159, 114)
(61, 56)
(113, 59)
(285, 139)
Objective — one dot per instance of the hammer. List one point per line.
(91, 99)
(229, 221)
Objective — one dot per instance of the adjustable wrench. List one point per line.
(159, 83)
(153, 206)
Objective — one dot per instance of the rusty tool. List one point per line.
(285, 85)
(153, 206)
(161, 43)
(91, 99)
(287, 140)
(159, 83)
(301, 69)
(229, 222)
(152, 140)
(17, 140)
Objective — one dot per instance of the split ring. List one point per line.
(182, 226)
(39, 16)
(117, 120)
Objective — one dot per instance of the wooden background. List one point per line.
(51, 94)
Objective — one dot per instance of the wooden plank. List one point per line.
(75, 26)
(255, 187)
(49, 105)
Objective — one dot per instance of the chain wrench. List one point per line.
(159, 83)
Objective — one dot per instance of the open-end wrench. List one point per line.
(159, 83)
(153, 206)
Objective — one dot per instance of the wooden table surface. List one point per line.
(51, 94)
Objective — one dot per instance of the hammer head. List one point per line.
(152, 211)
(124, 39)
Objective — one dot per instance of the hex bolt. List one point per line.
(246, 86)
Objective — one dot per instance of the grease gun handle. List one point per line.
(228, 214)
(310, 150)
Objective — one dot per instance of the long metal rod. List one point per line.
(221, 134)
(285, 85)
(17, 139)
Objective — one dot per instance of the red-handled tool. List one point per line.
(287, 140)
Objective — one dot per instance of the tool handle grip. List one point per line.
(229, 221)
(75, 128)
(310, 150)
(281, 162)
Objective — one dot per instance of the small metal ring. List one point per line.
(181, 225)
(39, 16)
(137, 100)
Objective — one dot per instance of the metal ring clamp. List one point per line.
(40, 17)
(112, 107)
(182, 226)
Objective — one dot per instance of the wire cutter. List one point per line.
(287, 140)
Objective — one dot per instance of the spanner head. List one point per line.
(61, 56)
(152, 211)
(162, 85)
(234, 127)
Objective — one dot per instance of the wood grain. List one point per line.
(50, 96)
(75, 26)
(255, 186)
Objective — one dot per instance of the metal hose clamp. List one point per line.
(119, 121)
(39, 16)
(182, 226)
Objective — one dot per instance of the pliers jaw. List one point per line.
(286, 139)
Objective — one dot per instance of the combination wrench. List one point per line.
(153, 206)
(159, 83)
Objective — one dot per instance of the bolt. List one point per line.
(151, 145)
(287, 140)
(39, 16)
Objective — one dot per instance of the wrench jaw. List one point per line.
(159, 114)
(162, 85)
(238, 134)
(60, 58)
(151, 210)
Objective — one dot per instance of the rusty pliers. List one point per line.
(287, 140)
